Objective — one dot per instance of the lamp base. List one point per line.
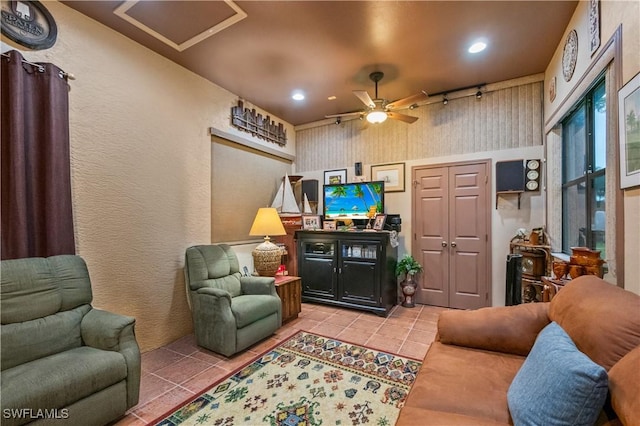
(266, 259)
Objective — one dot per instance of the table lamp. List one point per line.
(266, 257)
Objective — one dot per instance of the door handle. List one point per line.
(444, 244)
(453, 244)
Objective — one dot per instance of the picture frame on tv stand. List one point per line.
(329, 225)
(311, 222)
(379, 222)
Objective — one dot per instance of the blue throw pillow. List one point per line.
(557, 384)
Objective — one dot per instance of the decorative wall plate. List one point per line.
(533, 164)
(570, 55)
(532, 181)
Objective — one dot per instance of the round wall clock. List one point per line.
(570, 55)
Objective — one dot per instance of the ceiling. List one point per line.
(329, 48)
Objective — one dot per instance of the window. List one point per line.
(583, 177)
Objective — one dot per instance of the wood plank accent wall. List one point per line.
(505, 118)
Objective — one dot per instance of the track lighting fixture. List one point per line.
(458, 93)
(338, 120)
(414, 106)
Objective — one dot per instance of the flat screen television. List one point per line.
(352, 200)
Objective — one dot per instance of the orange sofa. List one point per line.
(468, 369)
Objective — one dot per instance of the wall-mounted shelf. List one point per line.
(498, 193)
(516, 177)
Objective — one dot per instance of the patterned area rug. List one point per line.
(306, 380)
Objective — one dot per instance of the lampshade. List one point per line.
(267, 256)
(376, 116)
(267, 222)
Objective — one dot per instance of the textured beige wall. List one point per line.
(141, 169)
(613, 14)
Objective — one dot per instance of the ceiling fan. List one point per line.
(378, 110)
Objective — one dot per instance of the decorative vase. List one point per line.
(575, 271)
(560, 269)
(585, 252)
(408, 290)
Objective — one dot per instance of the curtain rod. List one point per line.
(63, 74)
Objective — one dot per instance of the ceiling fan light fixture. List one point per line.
(376, 117)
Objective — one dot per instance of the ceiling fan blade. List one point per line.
(344, 114)
(402, 103)
(402, 117)
(365, 98)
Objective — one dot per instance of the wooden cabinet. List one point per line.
(348, 269)
(536, 262)
(289, 290)
(290, 258)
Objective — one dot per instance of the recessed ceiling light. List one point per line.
(477, 47)
(298, 96)
(331, 98)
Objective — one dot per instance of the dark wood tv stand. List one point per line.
(351, 269)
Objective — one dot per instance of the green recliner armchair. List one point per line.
(62, 360)
(230, 312)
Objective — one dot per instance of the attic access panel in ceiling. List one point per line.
(180, 24)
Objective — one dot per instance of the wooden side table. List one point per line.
(289, 288)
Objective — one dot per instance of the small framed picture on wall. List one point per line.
(391, 174)
(628, 112)
(332, 177)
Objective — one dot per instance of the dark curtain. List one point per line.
(36, 211)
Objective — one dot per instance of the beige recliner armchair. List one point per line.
(230, 312)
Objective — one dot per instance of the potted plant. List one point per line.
(408, 267)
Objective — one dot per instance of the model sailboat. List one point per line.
(284, 201)
(306, 207)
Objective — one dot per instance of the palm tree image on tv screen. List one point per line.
(353, 200)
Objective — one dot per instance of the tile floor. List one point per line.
(176, 372)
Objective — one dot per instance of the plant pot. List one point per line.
(408, 290)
